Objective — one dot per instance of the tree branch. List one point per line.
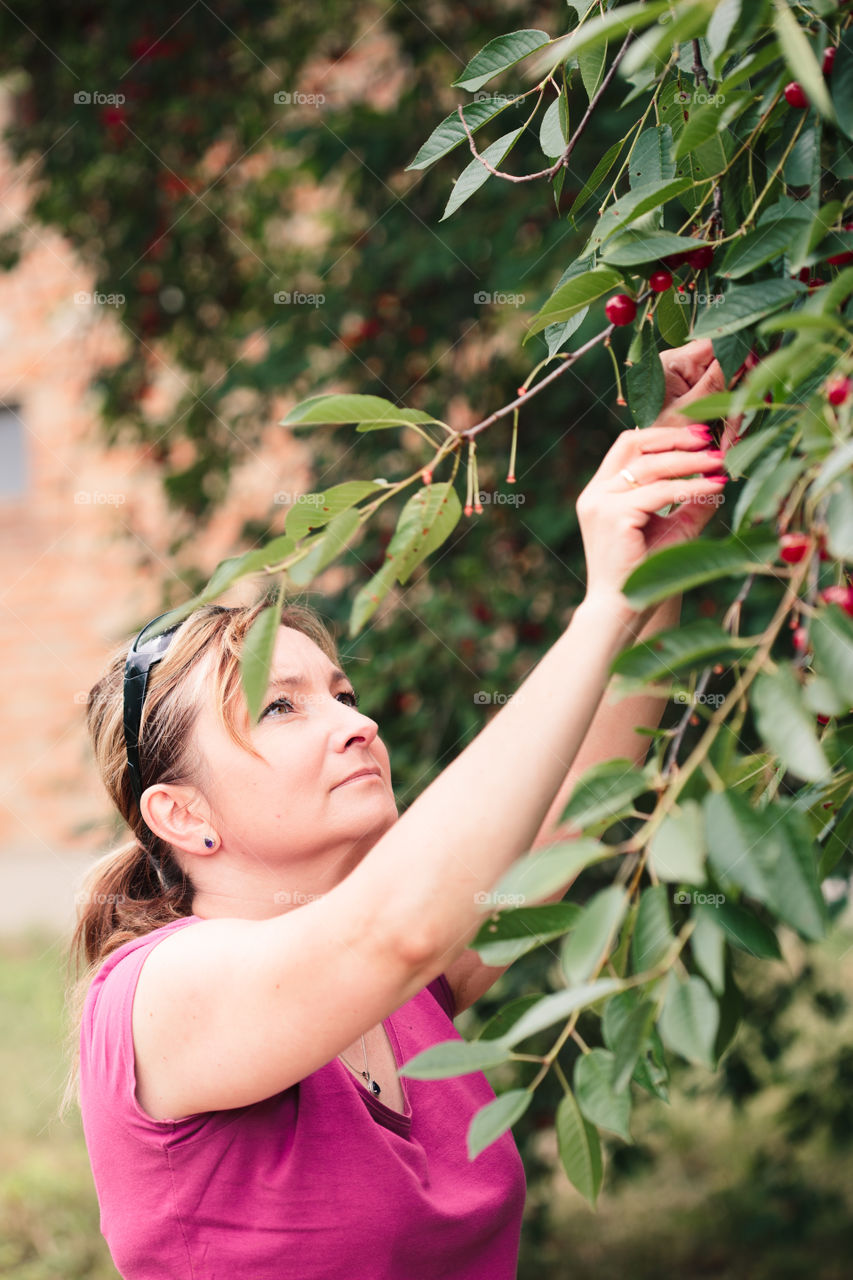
(563, 160)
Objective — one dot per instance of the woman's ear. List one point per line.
(179, 815)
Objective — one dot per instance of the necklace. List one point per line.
(371, 1083)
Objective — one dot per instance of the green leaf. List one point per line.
(689, 1020)
(426, 521)
(501, 941)
(338, 535)
(576, 293)
(558, 1007)
(455, 1058)
(645, 381)
(786, 726)
(831, 634)
(743, 928)
(552, 139)
(652, 930)
(256, 658)
(651, 159)
(722, 24)
(770, 855)
(589, 942)
(603, 791)
(493, 1120)
(839, 519)
(800, 58)
(705, 121)
(580, 1149)
(370, 596)
(543, 872)
(597, 176)
(677, 849)
(636, 246)
(629, 17)
(498, 54)
(673, 318)
(475, 174)
(681, 567)
(842, 83)
(311, 511)
(591, 63)
(759, 246)
(744, 305)
(626, 1026)
(679, 649)
(450, 133)
(708, 944)
(352, 408)
(600, 1103)
(629, 207)
(497, 1027)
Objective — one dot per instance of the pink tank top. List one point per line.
(319, 1182)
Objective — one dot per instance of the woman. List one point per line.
(275, 940)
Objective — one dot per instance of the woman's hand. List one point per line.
(618, 520)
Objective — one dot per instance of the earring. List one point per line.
(209, 842)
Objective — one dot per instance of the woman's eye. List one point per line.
(279, 702)
(349, 694)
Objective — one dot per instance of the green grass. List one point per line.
(48, 1208)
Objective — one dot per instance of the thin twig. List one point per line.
(563, 160)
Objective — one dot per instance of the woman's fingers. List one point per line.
(649, 468)
(631, 444)
(651, 497)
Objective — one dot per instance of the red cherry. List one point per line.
(675, 260)
(794, 95)
(701, 258)
(828, 59)
(800, 639)
(793, 546)
(838, 389)
(840, 259)
(842, 596)
(660, 281)
(620, 309)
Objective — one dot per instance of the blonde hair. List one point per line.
(140, 886)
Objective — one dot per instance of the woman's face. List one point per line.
(291, 819)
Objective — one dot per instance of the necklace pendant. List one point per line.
(374, 1087)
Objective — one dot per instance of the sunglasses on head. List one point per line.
(143, 655)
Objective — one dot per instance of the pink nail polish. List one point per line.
(714, 453)
(699, 430)
(718, 476)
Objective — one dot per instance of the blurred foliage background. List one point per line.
(201, 197)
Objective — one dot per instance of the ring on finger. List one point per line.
(632, 479)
